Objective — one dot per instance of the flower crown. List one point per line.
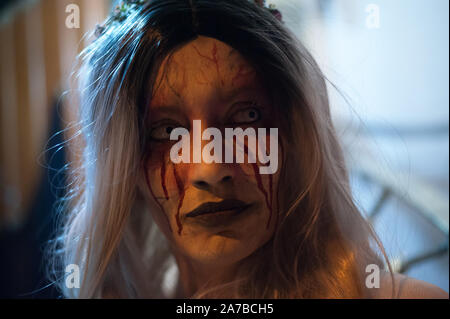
(122, 10)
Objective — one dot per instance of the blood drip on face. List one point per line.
(263, 190)
(163, 178)
(181, 193)
(153, 194)
(261, 186)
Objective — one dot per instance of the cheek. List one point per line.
(156, 175)
(160, 172)
(266, 189)
(266, 183)
(165, 185)
(156, 181)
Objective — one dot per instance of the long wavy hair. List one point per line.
(322, 244)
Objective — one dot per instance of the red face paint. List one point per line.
(181, 193)
(261, 186)
(213, 59)
(262, 189)
(153, 194)
(163, 177)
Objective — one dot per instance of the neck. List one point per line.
(195, 277)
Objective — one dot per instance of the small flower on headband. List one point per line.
(272, 9)
(118, 14)
(275, 12)
(122, 10)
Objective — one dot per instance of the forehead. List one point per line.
(202, 71)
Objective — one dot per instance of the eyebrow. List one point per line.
(166, 109)
(248, 88)
(226, 96)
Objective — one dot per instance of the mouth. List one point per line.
(221, 213)
(216, 207)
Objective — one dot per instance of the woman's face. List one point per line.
(211, 212)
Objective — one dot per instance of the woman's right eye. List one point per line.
(162, 131)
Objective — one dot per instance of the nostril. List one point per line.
(201, 184)
(226, 178)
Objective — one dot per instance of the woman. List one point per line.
(232, 232)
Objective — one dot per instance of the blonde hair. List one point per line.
(322, 244)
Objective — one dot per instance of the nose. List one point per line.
(208, 176)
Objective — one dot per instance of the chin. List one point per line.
(219, 249)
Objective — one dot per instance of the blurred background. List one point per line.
(387, 65)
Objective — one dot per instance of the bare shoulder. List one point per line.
(408, 288)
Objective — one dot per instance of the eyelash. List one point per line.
(162, 124)
(253, 106)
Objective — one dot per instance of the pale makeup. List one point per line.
(208, 80)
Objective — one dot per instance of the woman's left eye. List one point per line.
(162, 131)
(246, 116)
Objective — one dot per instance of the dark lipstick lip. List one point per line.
(217, 207)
